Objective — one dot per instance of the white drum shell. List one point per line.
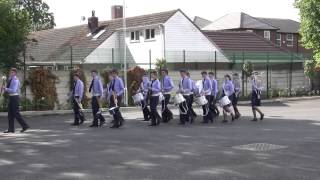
(178, 99)
(137, 98)
(224, 101)
(201, 100)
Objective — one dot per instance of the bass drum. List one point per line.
(201, 101)
(137, 98)
(224, 101)
(178, 99)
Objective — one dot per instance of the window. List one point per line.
(150, 34)
(289, 40)
(278, 39)
(266, 35)
(95, 37)
(135, 36)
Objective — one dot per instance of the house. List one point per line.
(282, 32)
(142, 40)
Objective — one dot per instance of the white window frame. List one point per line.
(136, 36)
(289, 40)
(267, 35)
(279, 40)
(150, 38)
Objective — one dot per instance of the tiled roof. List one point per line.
(55, 45)
(236, 44)
(238, 21)
(241, 41)
(284, 25)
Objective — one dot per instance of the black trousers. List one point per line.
(155, 117)
(14, 113)
(184, 117)
(95, 108)
(191, 111)
(145, 110)
(213, 105)
(117, 116)
(166, 113)
(207, 114)
(77, 114)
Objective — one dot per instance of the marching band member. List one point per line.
(206, 91)
(154, 91)
(237, 89)
(167, 86)
(144, 103)
(96, 89)
(77, 93)
(185, 88)
(116, 92)
(256, 97)
(12, 89)
(193, 114)
(228, 90)
(214, 94)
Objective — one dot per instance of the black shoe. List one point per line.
(24, 129)
(82, 121)
(262, 116)
(121, 123)
(224, 121)
(93, 125)
(75, 124)
(254, 119)
(114, 126)
(181, 123)
(6, 132)
(146, 120)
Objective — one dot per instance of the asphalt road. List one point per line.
(286, 145)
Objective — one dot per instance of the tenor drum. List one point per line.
(201, 101)
(178, 99)
(161, 97)
(137, 98)
(224, 101)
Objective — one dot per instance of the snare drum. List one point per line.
(224, 101)
(201, 101)
(137, 98)
(178, 99)
(161, 98)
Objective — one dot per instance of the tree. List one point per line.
(310, 24)
(40, 17)
(14, 29)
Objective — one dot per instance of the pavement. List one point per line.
(284, 146)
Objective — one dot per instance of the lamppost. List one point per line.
(125, 53)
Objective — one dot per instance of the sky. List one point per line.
(69, 12)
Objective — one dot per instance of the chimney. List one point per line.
(116, 12)
(93, 23)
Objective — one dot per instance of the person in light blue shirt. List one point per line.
(77, 93)
(12, 89)
(228, 90)
(256, 96)
(154, 92)
(237, 91)
(144, 88)
(96, 89)
(214, 94)
(167, 87)
(185, 88)
(206, 91)
(193, 114)
(116, 90)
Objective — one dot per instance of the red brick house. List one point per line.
(282, 32)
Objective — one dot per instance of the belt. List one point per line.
(96, 95)
(186, 94)
(167, 93)
(158, 94)
(14, 94)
